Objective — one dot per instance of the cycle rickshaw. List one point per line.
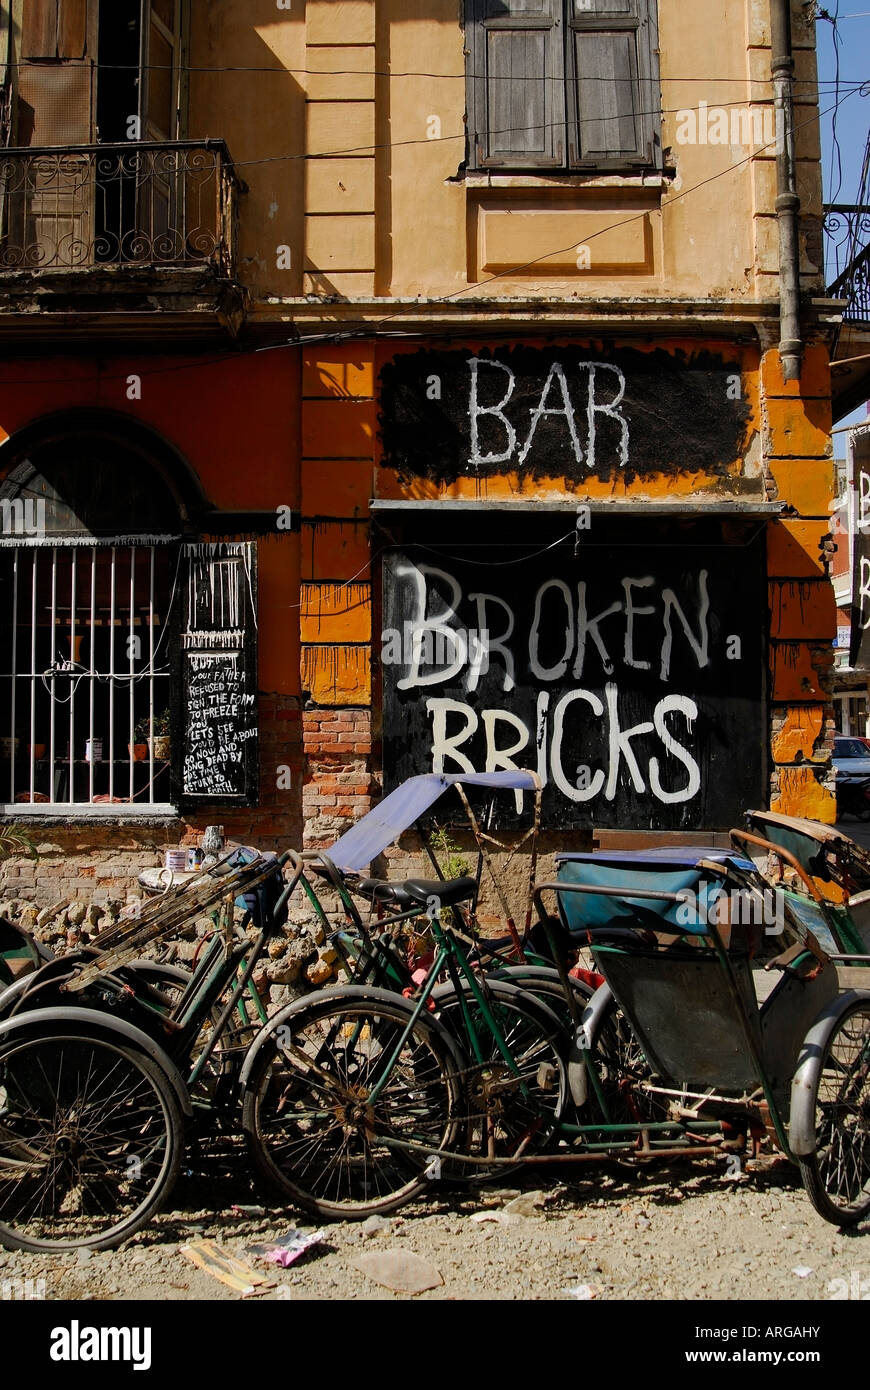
(356, 1098)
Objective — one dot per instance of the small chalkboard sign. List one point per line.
(217, 675)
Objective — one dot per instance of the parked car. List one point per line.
(852, 756)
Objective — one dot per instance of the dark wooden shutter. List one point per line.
(54, 29)
(39, 29)
(72, 28)
(612, 88)
(516, 84)
(5, 89)
(215, 755)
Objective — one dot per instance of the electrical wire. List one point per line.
(367, 330)
(837, 159)
(47, 64)
(373, 330)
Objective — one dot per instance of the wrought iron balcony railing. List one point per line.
(847, 231)
(143, 205)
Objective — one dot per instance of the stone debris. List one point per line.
(527, 1204)
(376, 1226)
(402, 1271)
(297, 962)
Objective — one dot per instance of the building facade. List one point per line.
(394, 386)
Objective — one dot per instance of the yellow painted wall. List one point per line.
(333, 139)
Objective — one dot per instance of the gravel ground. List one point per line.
(684, 1231)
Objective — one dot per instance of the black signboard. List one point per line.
(631, 675)
(859, 653)
(216, 687)
(561, 412)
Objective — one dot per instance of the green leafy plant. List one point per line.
(143, 730)
(450, 856)
(453, 863)
(15, 841)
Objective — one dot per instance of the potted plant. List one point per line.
(160, 737)
(138, 749)
(152, 736)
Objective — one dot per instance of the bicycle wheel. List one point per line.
(91, 1138)
(543, 981)
(836, 1175)
(515, 1102)
(622, 1070)
(312, 1129)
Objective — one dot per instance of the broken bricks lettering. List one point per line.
(627, 688)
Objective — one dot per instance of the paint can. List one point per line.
(94, 750)
(194, 859)
(176, 860)
(213, 839)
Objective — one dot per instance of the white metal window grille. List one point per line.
(85, 678)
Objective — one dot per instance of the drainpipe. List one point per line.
(791, 347)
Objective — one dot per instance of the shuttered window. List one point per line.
(563, 84)
(54, 29)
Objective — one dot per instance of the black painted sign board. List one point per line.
(565, 412)
(628, 669)
(216, 675)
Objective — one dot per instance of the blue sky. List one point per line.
(852, 117)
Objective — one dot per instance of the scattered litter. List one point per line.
(766, 1163)
(802, 1271)
(220, 1264)
(642, 1224)
(583, 1292)
(502, 1218)
(83, 1254)
(586, 1238)
(376, 1226)
(402, 1272)
(286, 1250)
(526, 1205)
(247, 1211)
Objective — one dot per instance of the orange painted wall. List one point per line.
(234, 417)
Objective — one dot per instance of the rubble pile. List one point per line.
(297, 962)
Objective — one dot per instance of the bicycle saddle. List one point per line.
(381, 891)
(447, 891)
(418, 890)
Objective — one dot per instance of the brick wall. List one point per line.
(101, 860)
(337, 786)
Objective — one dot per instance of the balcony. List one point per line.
(847, 226)
(117, 235)
(847, 237)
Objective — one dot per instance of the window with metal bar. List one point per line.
(85, 675)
